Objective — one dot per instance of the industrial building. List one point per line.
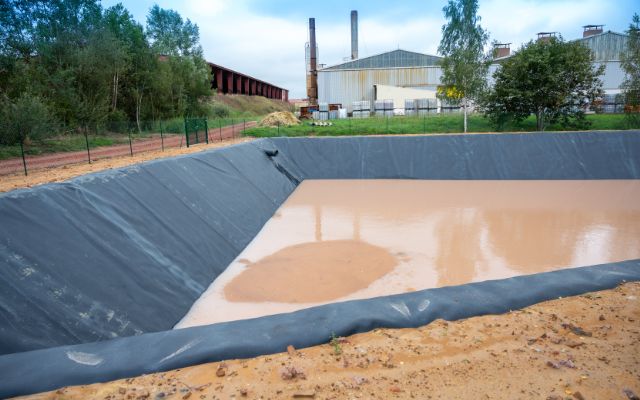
(228, 81)
(400, 75)
(396, 75)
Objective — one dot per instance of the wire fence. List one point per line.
(116, 139)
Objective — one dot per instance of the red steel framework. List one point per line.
(228, 81)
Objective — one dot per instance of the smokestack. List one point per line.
(354, 34)
(312, 90)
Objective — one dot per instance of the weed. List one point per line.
(335, 342)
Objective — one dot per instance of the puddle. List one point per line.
(336, 240)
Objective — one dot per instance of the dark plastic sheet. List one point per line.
(128, 251)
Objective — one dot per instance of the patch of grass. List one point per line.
(447, 123)
(335, 342)
(241, 106)
(61, 144)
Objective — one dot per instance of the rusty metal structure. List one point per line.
(312, 65)
(228, 81)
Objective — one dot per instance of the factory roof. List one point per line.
(391, 59)
(606, 46)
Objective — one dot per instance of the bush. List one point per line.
(25, 117)
(219, 110)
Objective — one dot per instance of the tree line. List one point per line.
(77, 65)
(552, 79)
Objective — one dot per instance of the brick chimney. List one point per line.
(546, 36)
(590, 30)
(502, 50)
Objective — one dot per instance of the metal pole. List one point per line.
(86, 140)
(220, 123)
(186, 133)
(233, 129)
(161, 136)
(130, 145)
(278, 128)
(24, 162)
(350, 133)
(206, 131)
(424, 123)
(387, 118)
(244, 125)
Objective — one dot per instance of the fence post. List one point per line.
(387, 118)
(244, 125)
(220, 124)
(206, 131)
(424, 124)
(130, 145)
(233, 129)
(350, 133)
(24, 161)
(186, 132)
(86, 140)
(278, 128)
(161, 136)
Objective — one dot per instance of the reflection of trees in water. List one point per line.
(528, 241)
(459, 246)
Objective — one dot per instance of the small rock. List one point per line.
(244, 392)
(186, 396)
(222, 370)
(122, 390)
(304, 395)
(601, 318)
(554, 397)
(630, 395)
(573, 344)
(576, 330)
(291, 350)
(291, 372)
(395, 389)
(359, 380)
(553, 364)
(578, 396)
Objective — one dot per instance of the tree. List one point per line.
(26, 117)
(464, 66)
(171, 36)
(552, 79)
(630, 61)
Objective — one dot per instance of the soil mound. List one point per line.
(281, 118)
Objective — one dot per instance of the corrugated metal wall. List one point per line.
(347, 86)
(613, 76)
(606, 46)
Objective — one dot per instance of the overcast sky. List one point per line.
(266, 39)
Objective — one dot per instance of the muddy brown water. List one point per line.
(336, 240)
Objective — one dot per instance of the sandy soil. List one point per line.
(57, 174)
(583, 347)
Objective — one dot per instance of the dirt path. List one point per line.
(14, 165)
(64, 172)
(583, 347)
